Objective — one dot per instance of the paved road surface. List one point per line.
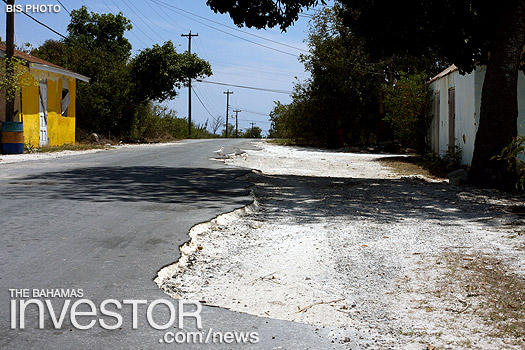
(106, 223)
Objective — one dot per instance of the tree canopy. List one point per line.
(159, 71)
(262, 13)
(465, 32)
(120, 85)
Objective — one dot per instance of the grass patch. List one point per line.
(497, 295)
(68, 147)
(409, 165)
(284, 142)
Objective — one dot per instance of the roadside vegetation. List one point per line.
(353, 100)
(125, 94)
(465, 33)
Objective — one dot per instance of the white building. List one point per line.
(457, 99)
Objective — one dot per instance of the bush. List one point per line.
(442, 166)
(408, 105)
(513, 155)
(153, 122)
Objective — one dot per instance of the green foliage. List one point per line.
(460, 30)
(464, 32)
(252, 133)
(407, 109)
(346, 91)
(231, 131)
(96, 47)
(52, 51)
(343, 92)
(513, 155)
(262, 13)
(12, 77)
(120, 86)
(160, 70)
(287, 121)
(154, 122)
(443, 165)
(104, 32)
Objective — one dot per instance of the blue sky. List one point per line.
(234, 60)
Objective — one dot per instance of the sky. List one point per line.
(266, 59)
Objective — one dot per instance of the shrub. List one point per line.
(408, 104)
(513, 155)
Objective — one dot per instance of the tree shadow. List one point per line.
(135, 184)
(313, 199)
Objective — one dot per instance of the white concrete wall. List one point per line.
(468, 100)
(465, 112)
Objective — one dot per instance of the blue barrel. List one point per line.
(12, 137)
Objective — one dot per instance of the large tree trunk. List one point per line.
(499, 101)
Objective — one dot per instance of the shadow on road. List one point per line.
(134, 184)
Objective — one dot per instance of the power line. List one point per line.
(225, 32)
(253, 77)
(251, 111)
(138, 38)
(202, 103)
(231, 28)
(43, 24)
(247, 87)
(140, 17)
(264, 70)
(255, 121)
(85, 4)
(214, 107)
(211, 95)
(161, 15)
(64, 7)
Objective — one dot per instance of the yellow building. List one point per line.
(46, 103)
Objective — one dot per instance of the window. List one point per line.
(65, 98)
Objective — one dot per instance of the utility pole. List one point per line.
(228, 93)
(9, 50)
(189, 36)
(252, 124)
(237, 122)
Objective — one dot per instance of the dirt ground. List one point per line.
(338, 239)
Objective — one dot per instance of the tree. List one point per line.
(216, 124)
(262, 13)
(463, 31)
(120, 86)
(346, 90)
(159, 71)
(231, 130)
(96, 47)
(254, 132)
(408, 109)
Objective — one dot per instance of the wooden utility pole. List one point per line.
(189, 36)
(228, 93)
(237, 122)
(9, 51)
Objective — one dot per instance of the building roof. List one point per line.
(38, 63)
(446, 72)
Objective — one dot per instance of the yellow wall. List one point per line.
(30, 112)
(60, 130)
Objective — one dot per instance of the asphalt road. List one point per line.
(105, 223)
